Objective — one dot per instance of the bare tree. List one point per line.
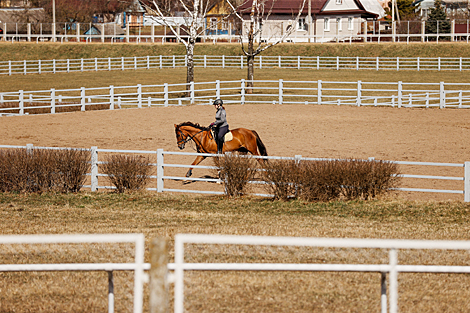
(256, 41)
(194, 14)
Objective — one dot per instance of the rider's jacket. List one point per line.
(220, 118)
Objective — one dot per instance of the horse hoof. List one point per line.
(189, 173)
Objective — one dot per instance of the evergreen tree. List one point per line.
(437, 20)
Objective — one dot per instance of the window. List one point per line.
(339, 23)
(213, 23)
(350, 23)
(326, 26)
(301, 25)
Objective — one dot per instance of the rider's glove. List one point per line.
(212, 124)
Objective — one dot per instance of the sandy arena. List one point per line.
(427, 135)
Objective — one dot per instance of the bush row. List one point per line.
(309, 180)
(43, 170)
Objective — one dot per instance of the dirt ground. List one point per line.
(425, 135)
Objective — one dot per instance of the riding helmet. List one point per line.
(218, 102)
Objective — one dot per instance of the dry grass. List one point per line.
(166, 215)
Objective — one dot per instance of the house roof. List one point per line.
(13, 15)
(135, 7)
(285, 6)
(366, 7)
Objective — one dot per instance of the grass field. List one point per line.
(166, 215)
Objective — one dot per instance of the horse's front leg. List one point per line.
(198, 160)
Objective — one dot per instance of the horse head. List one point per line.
(181, 137)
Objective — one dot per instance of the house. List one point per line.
(331, 19)
(216, 20)
(133, 16)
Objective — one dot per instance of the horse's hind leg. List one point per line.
(198, 160)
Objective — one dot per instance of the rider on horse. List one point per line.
(220, 125)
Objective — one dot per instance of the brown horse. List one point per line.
(244, 140)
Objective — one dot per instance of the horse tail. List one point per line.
(260, 144)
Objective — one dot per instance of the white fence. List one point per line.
(395, 94)
(392, 268)
(169, 174)
(137, 266)
(26, 67)
(360, 30)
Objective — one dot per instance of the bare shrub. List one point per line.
(319, 180)
(42, 170)
(281, 177)
(73, 165)
(367, 179)
(235, 171)
(127, 172)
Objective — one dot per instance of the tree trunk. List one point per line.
(190, 66)
(250, 64)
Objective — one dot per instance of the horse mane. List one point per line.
(195, 125)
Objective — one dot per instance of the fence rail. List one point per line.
(392, 268)
(167, 173)
(395, 94)
(26, 67)
(138, 266)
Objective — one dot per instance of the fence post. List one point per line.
(29, 148)
(400, 93)
(383, 293)
(442, 96)
(52, 100)
(135, 63)
(81, 65)
(165, 94)
(21, 101)
(82, 98)
(393, 281)
(241, 61)
(122, 63)
(467, 182)
(318, 62)
(158, 285)
(319, 92)
(359, 93)
(148, 60)
(377, 64)
(439, 63)
(68, 65)
(53, 66)
(9, 68)
(279, 62)
(398, 64)
(94, 168)
(217, 89)
(417, 64)
(281, 91)
(39, 66)
(223, 61)
(111, 97)
(160, 170)
(139, 96)
(25, 68)
(96, 64)
(205, 61)
(110, 292)
(242, 92)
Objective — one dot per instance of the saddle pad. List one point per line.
(228, 136)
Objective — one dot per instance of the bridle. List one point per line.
(185, 138)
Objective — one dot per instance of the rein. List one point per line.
(189, 137)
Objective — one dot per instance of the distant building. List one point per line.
(133, 16)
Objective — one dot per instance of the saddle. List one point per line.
(227, 137)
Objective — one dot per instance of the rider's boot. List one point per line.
(220, 145)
